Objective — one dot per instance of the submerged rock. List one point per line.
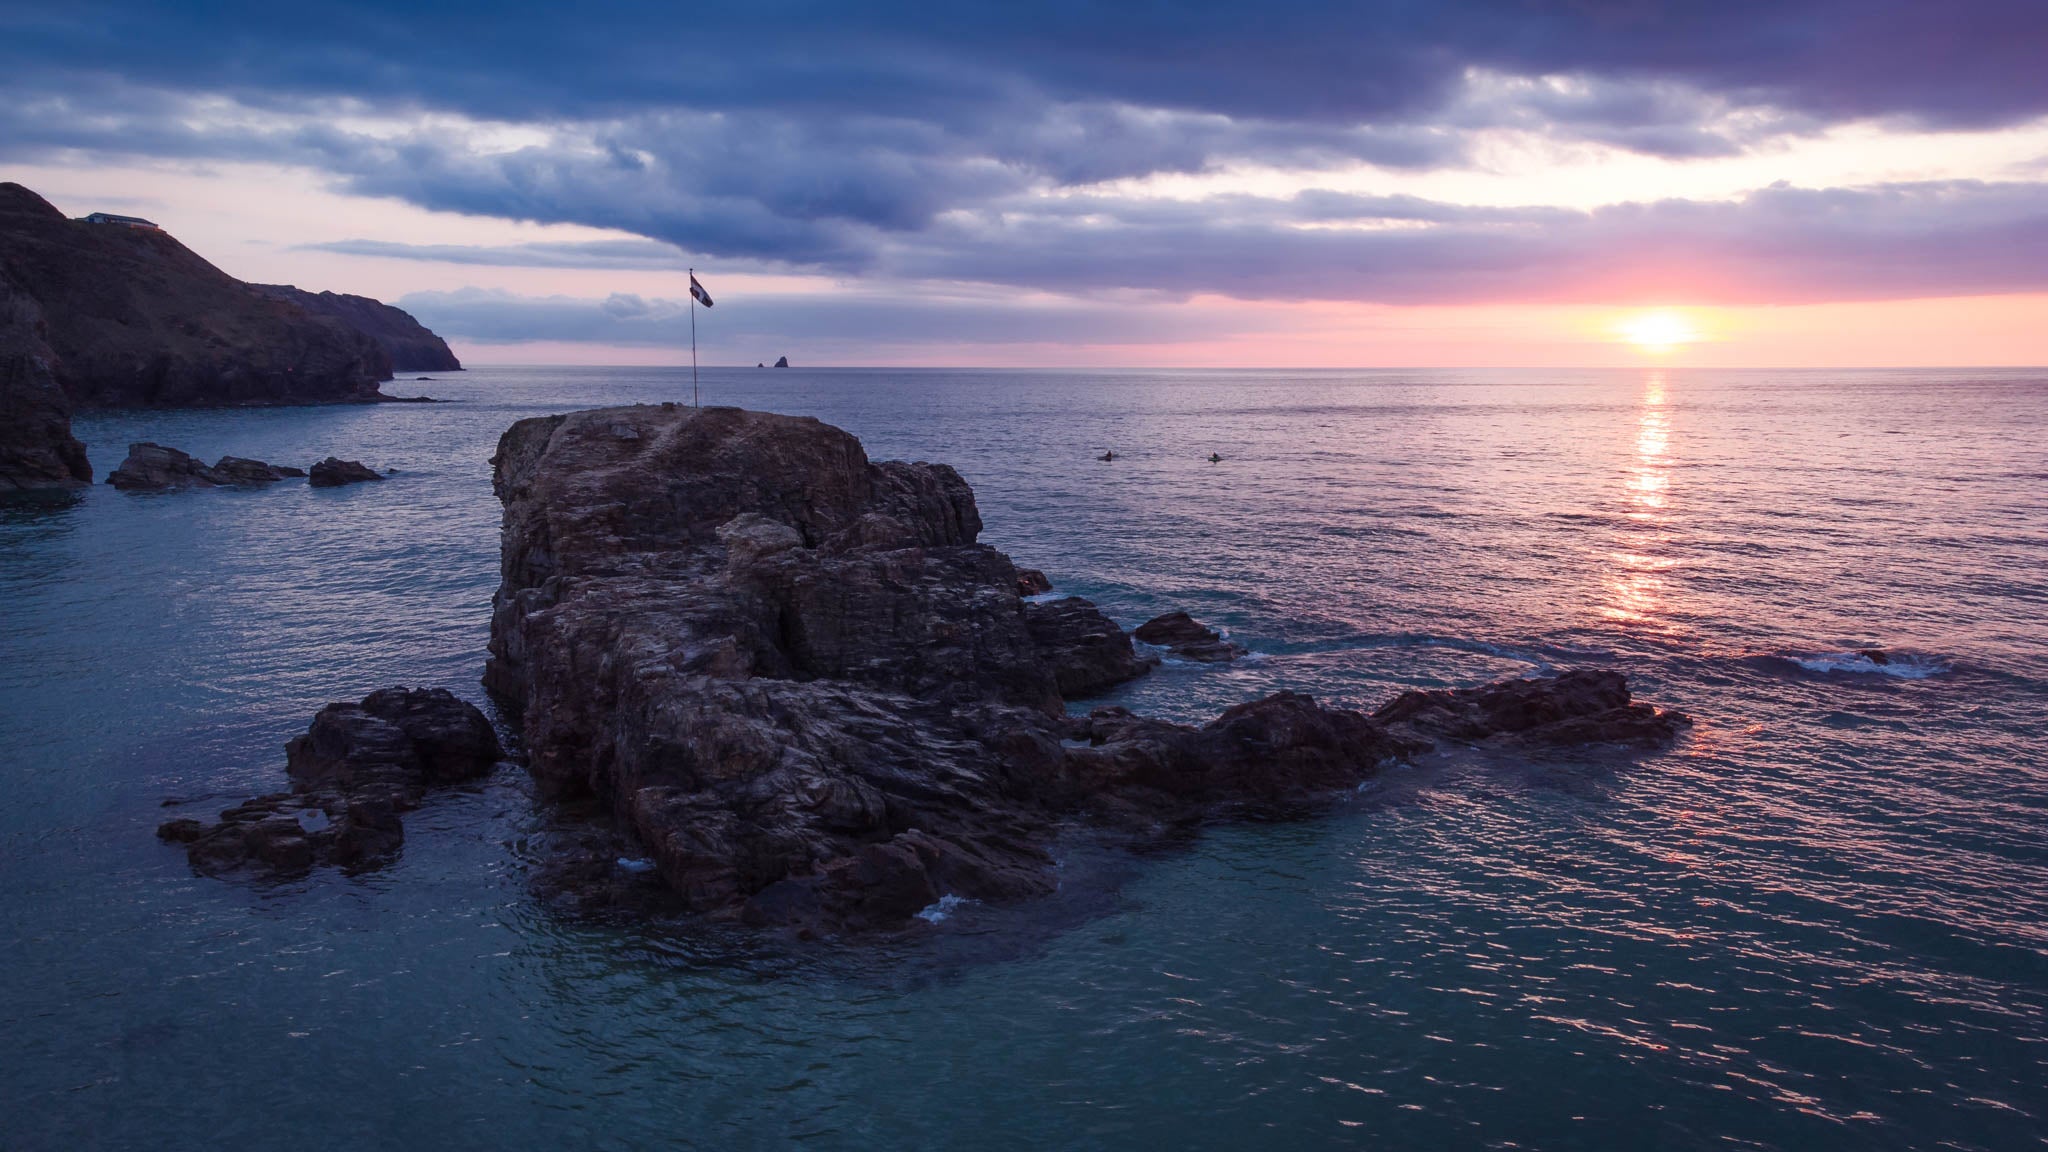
(795, 683)
(334, 472)
(1188, 639)
(356, 769)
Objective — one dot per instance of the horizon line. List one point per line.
(1286, 368)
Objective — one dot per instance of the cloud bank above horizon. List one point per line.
(1001, 175)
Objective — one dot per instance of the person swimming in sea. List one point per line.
(1108, 454)
(1215, 459)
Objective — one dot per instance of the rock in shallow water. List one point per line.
(796, 681)
(1584, 706)
(239, 470)
(353, 772)
(155, 468)
(1188, 639)
(333, 473)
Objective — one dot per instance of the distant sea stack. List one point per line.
(37, 450)
(411, 346)
(133, 318)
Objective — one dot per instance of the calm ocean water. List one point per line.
(1821, 922)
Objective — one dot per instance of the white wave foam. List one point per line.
(935, 913)
(1874, 663)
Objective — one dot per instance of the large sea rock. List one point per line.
(133, 318)
(794, 678)
(37, 450)
(411, 346)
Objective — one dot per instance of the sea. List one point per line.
(1820, 921)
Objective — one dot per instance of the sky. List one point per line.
(1082, 182)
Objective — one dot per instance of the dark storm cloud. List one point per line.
(618, 254)
(1780, 245)
(921, 141)
(1962, 62)
(1126, 262)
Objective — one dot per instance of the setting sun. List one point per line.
(1658, 331)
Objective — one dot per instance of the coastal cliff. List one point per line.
(134, 318)
(794, 679)
(411, 346)
(37, 450)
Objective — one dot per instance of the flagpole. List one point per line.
(695, 402)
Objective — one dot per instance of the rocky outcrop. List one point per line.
(1270, 756)
(241, 470)
(1182, 635)
(1032, 582)
(353, 773)
(410, 345)
(1087, 652)
(134, 318)
(333, 472)
(37, 449)
(155, 468)
(782, 361)
(795, 682)
(1584, 706)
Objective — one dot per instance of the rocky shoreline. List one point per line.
(97, 315)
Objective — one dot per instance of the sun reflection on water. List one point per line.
(1637, 588)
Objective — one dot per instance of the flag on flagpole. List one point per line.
(698, 291)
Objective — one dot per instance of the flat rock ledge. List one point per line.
(355, 771)
(803, 695)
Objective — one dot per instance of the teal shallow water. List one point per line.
(1823, 920)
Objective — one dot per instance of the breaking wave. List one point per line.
(1875, 662)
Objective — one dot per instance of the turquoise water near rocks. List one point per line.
(1821, 921)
